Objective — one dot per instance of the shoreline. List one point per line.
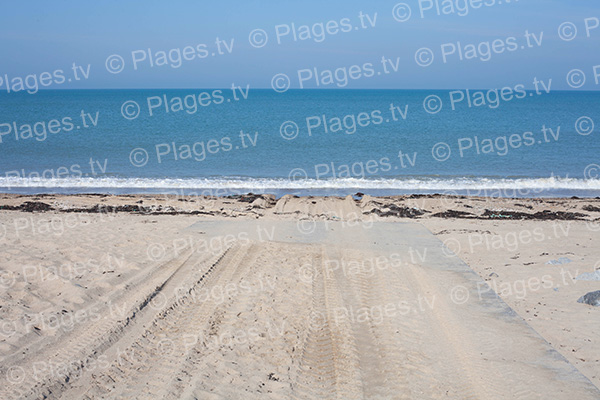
(515, 193)
(415, 206)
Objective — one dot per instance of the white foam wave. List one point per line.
(272, 183)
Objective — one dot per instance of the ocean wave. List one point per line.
(450, 183)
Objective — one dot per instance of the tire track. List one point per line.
(389, 326)
(259, 340)
(158, 353)
(214, 316)
(372, 352)
(340, 334)
(330, 363)
(381, 353)
(89, 341)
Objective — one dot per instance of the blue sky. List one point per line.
(38, 36)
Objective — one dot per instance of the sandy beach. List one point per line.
(300, 200)
(142, 296)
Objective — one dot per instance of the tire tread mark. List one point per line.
(330, 365)
(186, 316)
(88, 342)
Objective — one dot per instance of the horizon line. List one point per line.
(288, 90)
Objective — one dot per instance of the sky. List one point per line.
(501, 43)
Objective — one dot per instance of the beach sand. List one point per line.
(143, 296)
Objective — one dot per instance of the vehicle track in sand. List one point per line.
(334, 333)
(48, 371)
(155, 358)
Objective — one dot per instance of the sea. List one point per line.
(505, 143)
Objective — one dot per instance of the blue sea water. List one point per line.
(322, 142)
